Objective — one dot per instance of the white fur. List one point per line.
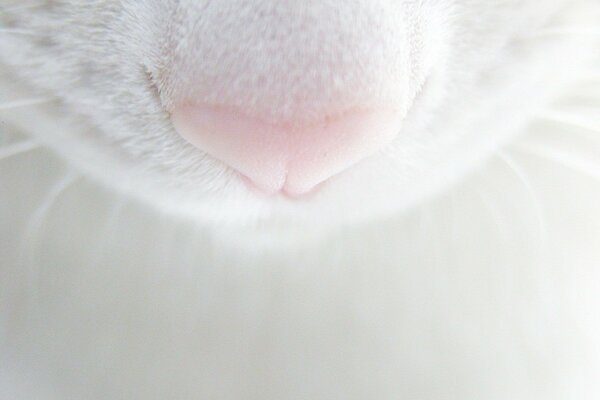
(112, 287)
(109, 63)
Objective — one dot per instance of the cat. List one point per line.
(319, 199)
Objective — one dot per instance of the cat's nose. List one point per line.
(290, 157)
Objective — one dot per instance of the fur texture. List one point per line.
(120, 64)
(114, 287)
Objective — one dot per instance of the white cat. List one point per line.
(389, 199)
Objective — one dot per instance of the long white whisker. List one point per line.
(21, 7)
(35, 224)
(25, 102)
(15, 149)
(110, 227)
(524, 179)
(495, 216)
(16, 31)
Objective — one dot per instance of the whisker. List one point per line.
(21, 7)
(537, 204)
(25, 103)
(495, 216)
(107, 232)
(36, 223)
(17, 31)
(15, 149)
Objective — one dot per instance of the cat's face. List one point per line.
(328, 110)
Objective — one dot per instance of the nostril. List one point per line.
(291, 157)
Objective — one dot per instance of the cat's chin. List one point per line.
(339, 201)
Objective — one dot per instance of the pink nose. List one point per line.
(287, 157)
